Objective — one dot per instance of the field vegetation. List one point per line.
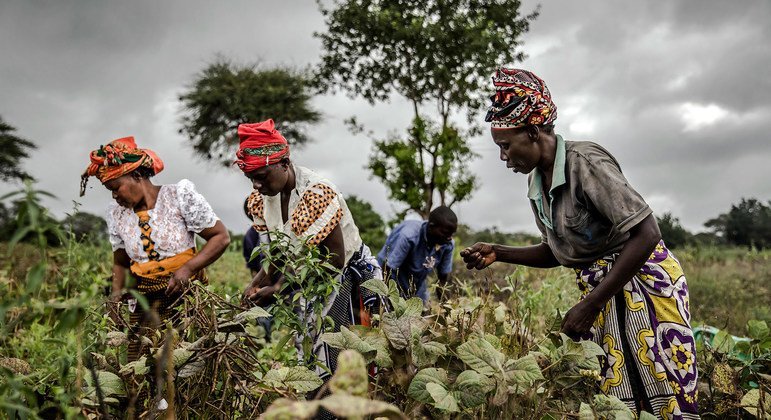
(489, 349)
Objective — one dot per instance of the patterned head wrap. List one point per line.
(261, 145)
(118, 158)
(521, 98)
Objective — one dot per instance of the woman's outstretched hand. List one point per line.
(579, 319)
(479, 255)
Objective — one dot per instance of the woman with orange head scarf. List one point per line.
(152, 231)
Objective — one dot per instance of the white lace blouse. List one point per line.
(180, 212)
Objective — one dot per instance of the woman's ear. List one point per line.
(532, 132)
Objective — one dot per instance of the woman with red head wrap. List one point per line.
(152, 229)
(308, 208)
(635, 297)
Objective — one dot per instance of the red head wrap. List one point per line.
(118, 158)
(521, 98)
(260, 146)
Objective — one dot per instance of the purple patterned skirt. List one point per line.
(646, 335)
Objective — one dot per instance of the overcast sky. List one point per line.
(678, 91)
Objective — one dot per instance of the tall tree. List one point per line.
(12, 150)
(747, 223)
(224, 95)
(438, 54)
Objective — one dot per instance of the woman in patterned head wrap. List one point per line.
(298, 202)
(152, 230)
(635, 298)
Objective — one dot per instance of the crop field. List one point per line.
(489, 349)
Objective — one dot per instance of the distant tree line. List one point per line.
(747, 223)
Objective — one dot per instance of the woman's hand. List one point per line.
(579, 319)
(262, 296)
(479, 255)
(179, 281)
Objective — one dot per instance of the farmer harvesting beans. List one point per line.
(299, 203)
(152, 229)
(635, 297)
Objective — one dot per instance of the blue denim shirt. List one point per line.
(409, 258)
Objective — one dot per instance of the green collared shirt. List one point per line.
(557, 180)
(589, 208)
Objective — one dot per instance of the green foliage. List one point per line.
(13, 150)
(371, 225)
(430, 160)
(86, 227)
(224, 95)
(433, 53)
(32, 221)
(735, 373)
(746, 224)
(488, 351)
(673, 233)
(439, 51)
(467, 236)
(309, 281)
(738, 276)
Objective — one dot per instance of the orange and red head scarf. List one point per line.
(118, 158)
(521, 98)
(261, 145)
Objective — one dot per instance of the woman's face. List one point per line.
(519, 150)
(269, 180)
(125, 190)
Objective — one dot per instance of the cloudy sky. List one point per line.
(679, 91)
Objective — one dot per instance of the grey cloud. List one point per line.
(79, 73)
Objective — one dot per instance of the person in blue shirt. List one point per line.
(415, 248)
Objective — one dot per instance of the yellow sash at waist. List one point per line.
(153, 276)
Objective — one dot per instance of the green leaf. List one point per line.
(425, 354)
(609, 407)
(758, 330)
(298, 378)
(18, 235)
(442, 399)
(412, 307)
(522, 372)
(591, 353)
(585, 412)
(471, 388)
(377, 340)
(181, 356)
(346, 339)
(644, 415)
(252, 314)
(417, 389)
(751, 403)
(137, 367)
(35, 277)
(481, 356)
(723, 342)
(351, 375)
(349, 406)
(397, 330)
(376, 285)
(284, 408)
(109, 383)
